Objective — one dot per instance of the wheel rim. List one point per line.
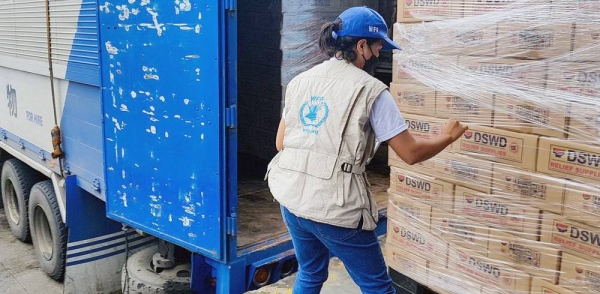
(12, 202)
(43, 233)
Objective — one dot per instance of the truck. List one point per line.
(119, 148)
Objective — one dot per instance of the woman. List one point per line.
(334, 114)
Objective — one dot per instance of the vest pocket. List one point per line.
(309, 162)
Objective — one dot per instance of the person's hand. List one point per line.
(454, 129)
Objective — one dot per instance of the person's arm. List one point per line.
(280, 133)
(413, 150)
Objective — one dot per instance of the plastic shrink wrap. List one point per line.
(513, 206)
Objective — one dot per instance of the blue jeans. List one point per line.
(358, 249)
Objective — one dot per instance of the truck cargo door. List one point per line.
(164, 119)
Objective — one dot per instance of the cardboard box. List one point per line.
(489, 272)
(415, 267)
(464, 170)
(417, 241)
(538, 118)
(535, 258)
(538, 190)
(582, 203)
(443, 280)
(575, 78)
(570, 160)
(424, 10)
(521, 220)
(524, 74)
(539, 286)
(405, 209)
(415, 99)
(579, 274)
(424, 188)
(533, 40)
(573, 237)
(459, 230)
(587, 36)
(584, 122)
(476, 111)
(483, 7)
(512, 148)
(424, 127)
(402, 67)
(426, 167)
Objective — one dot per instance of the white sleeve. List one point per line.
(386, 119)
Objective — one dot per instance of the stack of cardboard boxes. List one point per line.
(513, 206)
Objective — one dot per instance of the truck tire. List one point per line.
(138, 276)
(48, 232)
(16, 180)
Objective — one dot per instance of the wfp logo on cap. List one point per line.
(373, 29)
(313, 114)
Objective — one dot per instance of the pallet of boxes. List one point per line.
(513, 206)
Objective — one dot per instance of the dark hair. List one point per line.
(331, 45)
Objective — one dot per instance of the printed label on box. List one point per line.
(583, 204)
(464, 170)
(569, 159)
(580, 274)
(404, 208)
(573, 236)
(422, 187)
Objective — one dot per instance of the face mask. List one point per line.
(370, 64)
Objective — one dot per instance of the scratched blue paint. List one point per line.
(163, 119)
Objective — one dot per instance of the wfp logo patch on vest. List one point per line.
(313, 114)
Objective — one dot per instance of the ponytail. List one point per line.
(327, 42)
(330, 43)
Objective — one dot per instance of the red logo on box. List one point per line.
(468, 134)
(408, 2)
(508, 178)
(463, 257)
(401, 178)
(514, 147)
(587, 196)
(561, 227)
(469, 198)
(558, 152)
(579, 270)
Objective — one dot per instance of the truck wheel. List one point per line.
(48, 232)
(17, 179)
(138, 276)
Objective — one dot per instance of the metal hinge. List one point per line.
(232, 225)
(231, 117)
(230, 5)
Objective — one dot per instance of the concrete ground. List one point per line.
(19, 268)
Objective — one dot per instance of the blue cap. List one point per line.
(364, 22)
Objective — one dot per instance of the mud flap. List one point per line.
(97, 246)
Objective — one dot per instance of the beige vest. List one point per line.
(319, 175)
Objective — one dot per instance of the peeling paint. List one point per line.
(120, 91)
(197, 71)
(123, 153)
(191, 210)
(153, 130)
(200, 15)
(131, 1)
(156, 210)
(185, 28)
(124, 199)
(192, 235)
(192, 56)
(161, 98)
(151, 77)
(112, 77)
(154, 198)
(166, 134)
(184, 5)
(186, 221)
(123, 174)
(166, 116)
(136, 165)
(124, 15)
(201, 136)
(157, 26)
(110, 48)
(188, 197)
(197, 29)
(152, 108)
(148, 112)
(110, 139)
(153, 119)
(177, 116)
(145, 2)
(124, 108)
(186, 101)
(133, 94)
(105, 8)
(135, 11)
(170, 218)
(114, 120)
